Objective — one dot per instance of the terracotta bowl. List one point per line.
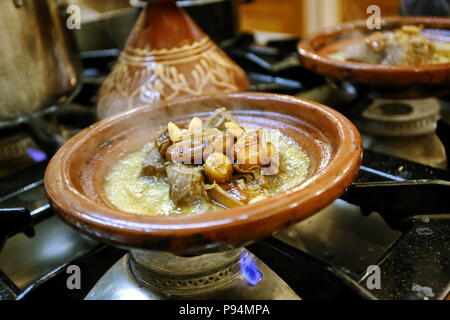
(75, 176)
(412, 81)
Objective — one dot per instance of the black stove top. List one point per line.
(395, 216)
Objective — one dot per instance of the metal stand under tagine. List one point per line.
(152, 275)
(167, 56)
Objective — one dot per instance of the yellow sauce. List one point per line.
(128, 191)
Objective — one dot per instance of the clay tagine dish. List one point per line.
(75, 177)
(167, 56)
(388, 77)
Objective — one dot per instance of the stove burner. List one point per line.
(396, 108)
(393, 118)
(404, 128)
(235, 274)
(14, 154)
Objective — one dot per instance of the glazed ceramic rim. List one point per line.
(372, 73)
(132, 230)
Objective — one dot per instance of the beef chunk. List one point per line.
(153, 164)
(186, 184)
(218, 118)
(162, 141)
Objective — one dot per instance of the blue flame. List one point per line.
(250, 270)
(36, 154)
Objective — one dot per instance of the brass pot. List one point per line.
(39, 64)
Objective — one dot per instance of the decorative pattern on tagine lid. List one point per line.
(167, 56)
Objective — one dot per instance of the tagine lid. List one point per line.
(167, 56)
(164, 27)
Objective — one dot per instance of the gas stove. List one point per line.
(395, 218)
